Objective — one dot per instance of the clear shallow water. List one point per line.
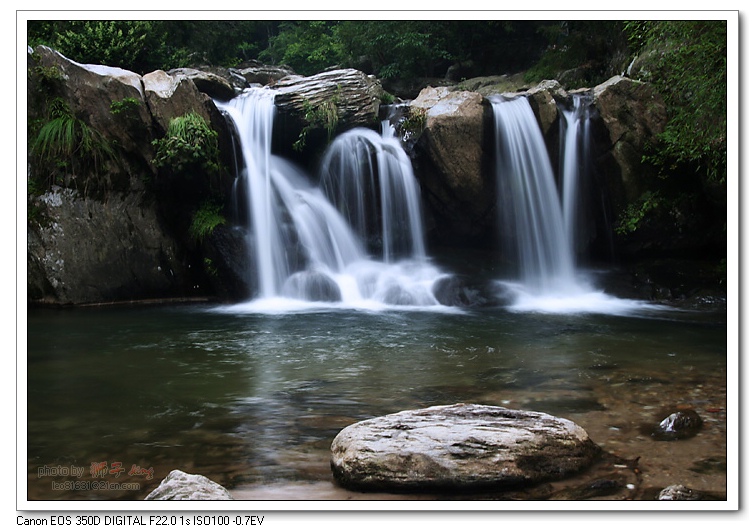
(252, 399)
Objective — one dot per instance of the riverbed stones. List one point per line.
(178, 485)
(459, 447)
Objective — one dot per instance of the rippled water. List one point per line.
(253, 400)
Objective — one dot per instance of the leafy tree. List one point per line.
(686, 62)
(308, 47)
(114, 43)
(688, 67)
(396, 49)
(590, 45)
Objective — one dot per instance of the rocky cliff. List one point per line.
(106, 224)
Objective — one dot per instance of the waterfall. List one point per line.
(369, 178)
(541, 224)
(529, 200)
(305, 249)
(574, 158)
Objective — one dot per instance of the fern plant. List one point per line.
(205, 220)
(323, 115)
(65, 143)
(190, 142)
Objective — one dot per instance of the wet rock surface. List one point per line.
(179, 485)
(459, 447)
(678, 425)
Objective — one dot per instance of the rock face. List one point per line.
(99, 230)
(454, 157)
(544, 99)
(135, 219)
(215, 86)
(454, 162)
(632, 113)
(89, 251)
(257, 73)
(179, 485)
(348, 97)
(461, 446)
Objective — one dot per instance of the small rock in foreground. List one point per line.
(682, 424)
(462, 446)
(679, 493)
(179, 485)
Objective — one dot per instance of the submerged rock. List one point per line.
(461, 446)
(179, 485)
(452, 290)
(312, 286)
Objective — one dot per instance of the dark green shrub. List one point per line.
(205, 220)
(189, 143)
(66, 144)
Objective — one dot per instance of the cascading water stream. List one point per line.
(540, 223)
(369, 178)
(575, 145)
(529, 200)
(305, 250)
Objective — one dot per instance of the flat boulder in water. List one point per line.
(459, 447)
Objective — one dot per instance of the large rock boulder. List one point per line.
(88, 251)
(454, 162)
(175, 94)
(312, 110)
(179, 485)
(632, 113)
(89, 92)
(258, 73)
(104, 227)
(461, 446)
(544, 99)
(216, 86)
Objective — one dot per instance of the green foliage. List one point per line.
(689, 70)
(308, 47)
(65, 143)
(107, 42)
(323, 115)
(205, 220)
(397, 49)
(125, 107)
(386, 98)
(49, 78)
(633, 216)
(210, 268)
(412, 125)
(188, 144)
(584, 45)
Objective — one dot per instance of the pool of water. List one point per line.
(252, 400)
